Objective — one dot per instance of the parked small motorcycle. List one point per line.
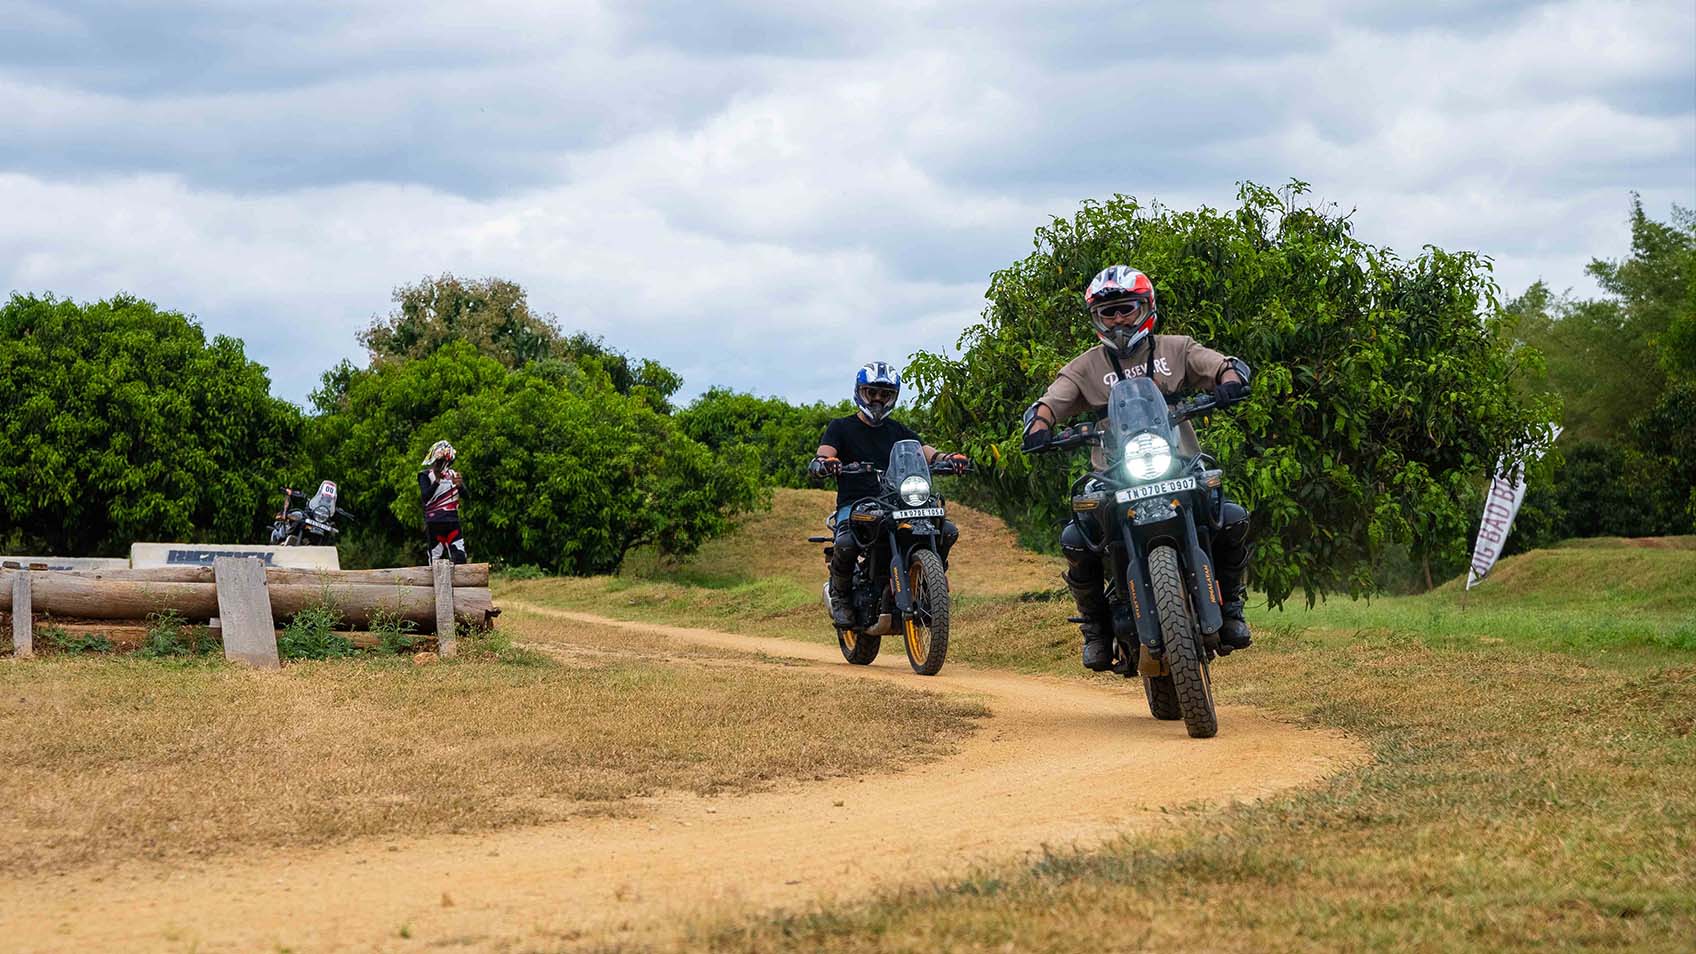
(313, 523)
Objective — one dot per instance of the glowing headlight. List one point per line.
(915, 490)
(1147, 456)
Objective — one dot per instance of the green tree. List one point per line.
(124, 423)
(1384, 389)
(493, 316)
(562, 470)
(1623, 367)
(781, 435)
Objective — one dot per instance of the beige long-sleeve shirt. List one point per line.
(1180, 364)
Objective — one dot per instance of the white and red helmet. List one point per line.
(1121, 307)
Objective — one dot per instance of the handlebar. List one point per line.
(1087, 434)
(876, 471)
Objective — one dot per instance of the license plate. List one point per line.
(921, 512)
(1155, 490)
(316, 525)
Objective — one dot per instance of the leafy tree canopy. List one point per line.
(493, 316)
(562, 470)
(781, 435)
(1384, 388)
(124, 423)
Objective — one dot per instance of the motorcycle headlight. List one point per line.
(1147, 456)
(915, 490)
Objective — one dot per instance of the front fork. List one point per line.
(1135, 617)
(900, 578)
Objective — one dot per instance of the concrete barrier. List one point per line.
(193, 554)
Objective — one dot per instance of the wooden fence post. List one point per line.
(23, 617)
(447, 642)
(244, 605)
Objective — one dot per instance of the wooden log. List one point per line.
(445, 635)
(244, 606)
(469, 574)
(23, 615)
(65, 594)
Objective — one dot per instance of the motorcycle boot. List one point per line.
(843, 555)
(842, 601)
(1231, 556)
(1083, 578)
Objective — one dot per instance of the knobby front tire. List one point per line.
(927, 645)
(1184, 656)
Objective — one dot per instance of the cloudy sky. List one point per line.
(764, 195)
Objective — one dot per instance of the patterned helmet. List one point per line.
(1121, 307)
(876, 389)
(439, 451)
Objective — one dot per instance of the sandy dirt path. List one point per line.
(1057, 763)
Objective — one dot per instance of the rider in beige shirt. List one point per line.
(1121, 304)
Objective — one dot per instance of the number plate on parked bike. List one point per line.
(1155, 490)
(921, 512)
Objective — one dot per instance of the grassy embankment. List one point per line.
(1533, 783)
(109, 759)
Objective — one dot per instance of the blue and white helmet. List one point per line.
(876, 388)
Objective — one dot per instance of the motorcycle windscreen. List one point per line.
(906, 459)
(323, 503)
(1139, 429)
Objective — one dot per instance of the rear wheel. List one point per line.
(927, 626)
(1191, 681)
(1162, 698)
(858, 648)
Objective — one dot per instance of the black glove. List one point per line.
(821, 467)
(954, 463)
(1230, 392)
(1036, 440)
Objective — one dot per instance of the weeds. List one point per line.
(395, 634)
(487, 642)
(170, 635)
(76, 644)
(311, 634)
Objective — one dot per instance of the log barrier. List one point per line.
(430, 597)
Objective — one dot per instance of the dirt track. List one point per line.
(1059, 762)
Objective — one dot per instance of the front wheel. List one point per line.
(927, 625)
(1184, 657)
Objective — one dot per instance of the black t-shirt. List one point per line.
(857, 442)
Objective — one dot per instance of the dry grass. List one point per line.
(771, 545)
(1529, 803)
(1534, 785)
(114, 759)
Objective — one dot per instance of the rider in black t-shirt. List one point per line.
(866, 437)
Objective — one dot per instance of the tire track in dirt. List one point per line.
(1057, 763)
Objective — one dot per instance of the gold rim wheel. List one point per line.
(918, 637)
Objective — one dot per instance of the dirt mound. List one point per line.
(1059, 762)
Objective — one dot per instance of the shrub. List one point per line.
(169, 634)
(310, 634)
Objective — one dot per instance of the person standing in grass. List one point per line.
(440, 487)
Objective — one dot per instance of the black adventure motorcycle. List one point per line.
(312, 525)
(900, 583)
(1151, 513)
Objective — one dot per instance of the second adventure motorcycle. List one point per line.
(900, 582)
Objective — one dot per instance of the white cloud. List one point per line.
(765, 197)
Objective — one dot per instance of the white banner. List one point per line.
(1507, 492)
